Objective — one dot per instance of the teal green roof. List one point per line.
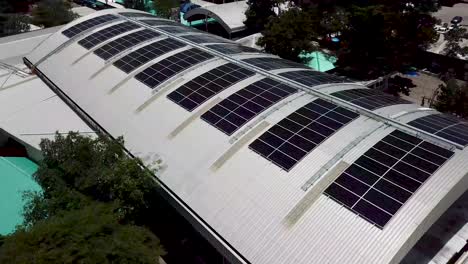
(320, 61)
(15, 178)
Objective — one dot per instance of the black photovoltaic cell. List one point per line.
(178, 29)
(123, 43)
(105, 34)
(232, 48)
(240, 107)
(207, 85)
(85, 25)
(312, 78)
(199, 38)
(369, 99)
(378, 183)
(287, 142)
(444, 126)
(154, 22)
(268, 63)
(147, 53)
(165, 69)
(136, 14)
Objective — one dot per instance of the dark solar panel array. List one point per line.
(444, 126)
(85, 25)
(240, 107)
(232, 48)
(199, 38)
(312, 78)
(177, 29)
(165, 69)
(268, 63)
(136, 14)
(369, 99)
(105, 34)
(147, 53)
(289, 141)
(378, 183)
(123, 43)
(154, 22)
(207, 85)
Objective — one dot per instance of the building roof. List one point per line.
(231, 16)
(280, 163)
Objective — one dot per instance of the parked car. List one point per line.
(456, 20)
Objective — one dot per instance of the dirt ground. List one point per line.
(425, 87)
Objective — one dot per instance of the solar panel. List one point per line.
(136, 14)
(147, 53)
(154, 22)
(105, 34)
(165, 69)
(294, 137)
(87, 24)
(378, 183)
(369, 99)
(268, 63)
(240, 107)
(205, 39)
(123, 43)
(312, 78)
(445, 126)
(232, 48)
(177, 29)
(207, 85)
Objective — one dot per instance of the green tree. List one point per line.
(50, 13)
(92, 234)
(290, 34)
(454, 38)
(11, 22)
(399, 85)
(96, 168)
(164, 7)
(452, 97)
(136, 4)
(258, 13)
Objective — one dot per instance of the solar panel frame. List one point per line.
(445, 126)
(125, 42)
(242, 106)
(232, 48)
(205, 38)
(159, 22)
(270, 63)
(87, 25)
(177, 29)
(368, 98)
(205, 86)
(105, 34)
(137, 58)
(385, 177)
(165, 69)
(312, 78)
(298, 134)
(136, 14)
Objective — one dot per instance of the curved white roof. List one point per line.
(207, 107)
(230, 15)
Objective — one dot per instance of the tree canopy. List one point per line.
(290, 34)
(136, 4)
(454, 37)
(375, 37)
(258, 14)
(164, 7)
(452, 98)
(50, 13)
(93, 198)
(91, 234)
(12, 22)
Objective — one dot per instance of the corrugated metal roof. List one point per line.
(248, 198)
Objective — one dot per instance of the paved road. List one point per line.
(447, 13)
